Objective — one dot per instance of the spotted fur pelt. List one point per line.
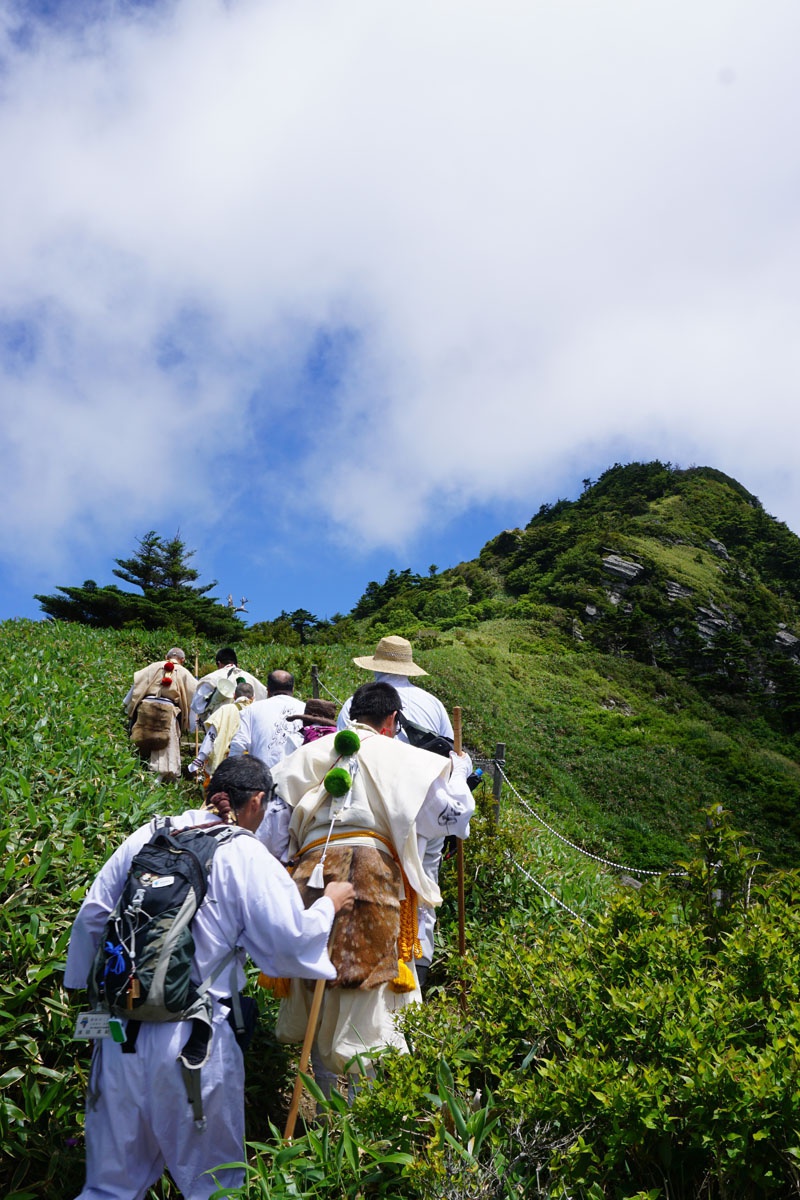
(363, 947)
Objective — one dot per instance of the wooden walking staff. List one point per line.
(305, 1055)
(462, 938)
(196, 729)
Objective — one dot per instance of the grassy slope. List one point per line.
(616, 755)
(623, 756)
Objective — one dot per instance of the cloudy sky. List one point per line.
(332, 287)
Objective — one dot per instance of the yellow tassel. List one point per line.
(408, 944)
(279, 987)
(404, 980)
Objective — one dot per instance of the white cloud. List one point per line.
(558, 232)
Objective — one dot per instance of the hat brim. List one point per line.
(312, 720)
(389, 666)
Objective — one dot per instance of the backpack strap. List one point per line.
(194, 1055)
(425, 739)
(131, 1034)
(197, 1047)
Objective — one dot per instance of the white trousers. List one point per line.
(143, 1123)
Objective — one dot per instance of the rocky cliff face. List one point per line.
(682, 569)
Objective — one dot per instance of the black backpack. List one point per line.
(437, 743)
(142, 968)
(425, 739)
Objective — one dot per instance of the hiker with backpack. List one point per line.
(317, 720)
(166, 1086)
(393, 663)
(220, 728)
(159, 707)
(209, 696)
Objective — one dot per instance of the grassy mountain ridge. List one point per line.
(636, 649)
(679, 569)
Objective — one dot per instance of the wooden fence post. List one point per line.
(497, 785)
(315, 682)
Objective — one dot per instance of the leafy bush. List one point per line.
(623, 1058)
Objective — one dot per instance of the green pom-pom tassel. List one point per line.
(347, 742)
(338, 782)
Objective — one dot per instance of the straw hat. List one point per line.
(317, 712)
(393, 656)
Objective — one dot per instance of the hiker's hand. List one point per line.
(342, 894)
(460, 765)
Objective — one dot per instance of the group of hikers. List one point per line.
(326, 833)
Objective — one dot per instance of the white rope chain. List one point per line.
(573, 845)
(328, 690)
(542, 888)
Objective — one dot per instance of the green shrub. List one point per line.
(626, 1057)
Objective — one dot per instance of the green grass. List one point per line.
(616, 756)
(697, 569)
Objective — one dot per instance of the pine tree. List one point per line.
(160, 568)
(161, 564)
(144, 570)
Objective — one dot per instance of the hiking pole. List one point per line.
(305, 1054)
(462, 939)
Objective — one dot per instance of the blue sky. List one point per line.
(338, 287)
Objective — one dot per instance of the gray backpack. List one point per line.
(143, 966)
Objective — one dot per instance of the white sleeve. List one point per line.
(447, 808)
(273, 831)
(242, 739)
(343, 720)
(445, 724)
(207, 744)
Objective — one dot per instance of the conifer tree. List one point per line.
(170, 599)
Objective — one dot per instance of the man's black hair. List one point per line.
(225, 656)
(241, 777)
(374, 702)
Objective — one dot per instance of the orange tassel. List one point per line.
(279, 987)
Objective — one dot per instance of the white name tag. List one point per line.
(92, 1025)
(99, 1025)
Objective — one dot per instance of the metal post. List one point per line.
(497, 785)
(315, 682)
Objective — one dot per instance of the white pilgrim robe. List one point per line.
(147, 682)
(404, 794)
(427, 710)
(143, 1121)
(264, 727)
